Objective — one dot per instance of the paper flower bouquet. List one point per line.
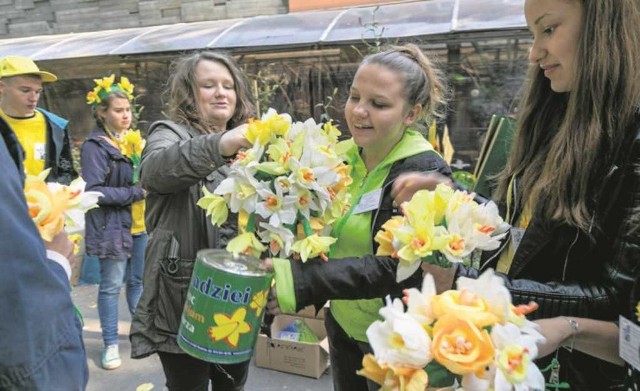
(474, 332)
(54, 207)
(292, 185)
(440, 226)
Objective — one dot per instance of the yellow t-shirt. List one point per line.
(137, 217)
(32, 135)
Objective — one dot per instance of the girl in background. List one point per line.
(115, 232)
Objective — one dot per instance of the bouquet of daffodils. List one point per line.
(474, 332)
(54, 207)
(440, 226)
(131, 146)
(292, 185)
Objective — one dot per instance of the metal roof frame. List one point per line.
(427, 18)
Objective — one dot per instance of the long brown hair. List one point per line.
(182, 91)
(566, 143)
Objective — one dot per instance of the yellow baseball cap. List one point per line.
(19, 65)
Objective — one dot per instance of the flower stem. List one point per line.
(307, 227)
(251, 222)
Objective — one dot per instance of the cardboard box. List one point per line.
(301, 358)
(310, 312)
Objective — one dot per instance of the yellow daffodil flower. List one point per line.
(258, 132)
(215, 206)
(125, 85)
(393, 378)
(92, 98)
(384, 237)
(46, 208)
(467, 305)
(514, 361)
(133, 142)
(229, 328)
(313, 246)
(332, 131)
(106, 82)
(246, 243)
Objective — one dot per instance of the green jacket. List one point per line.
(355, 232)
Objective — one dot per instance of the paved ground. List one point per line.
(134, 373)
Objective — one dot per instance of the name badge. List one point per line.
(38, 151)
(629, 338)
(369, 201)
(516, 236)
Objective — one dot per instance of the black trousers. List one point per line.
(186, 373)
(346, 356)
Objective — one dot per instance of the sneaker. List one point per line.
(111, 357)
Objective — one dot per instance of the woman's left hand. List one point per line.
(555, 331)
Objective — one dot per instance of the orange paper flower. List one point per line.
(460, 346)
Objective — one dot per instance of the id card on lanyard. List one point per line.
(368, 202)
(629, 338)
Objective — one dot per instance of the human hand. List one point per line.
(62, 245)
(233, 140)
(267, 264)
(405, 186)
(273, 307)
(556, 332)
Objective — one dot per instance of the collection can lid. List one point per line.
(241, 264)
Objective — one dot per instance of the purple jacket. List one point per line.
(105, 169)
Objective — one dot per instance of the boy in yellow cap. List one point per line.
(44, 136)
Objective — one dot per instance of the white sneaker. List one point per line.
(111, 357)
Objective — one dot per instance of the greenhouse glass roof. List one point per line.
(407, 19)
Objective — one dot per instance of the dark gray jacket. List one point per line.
(176, 162)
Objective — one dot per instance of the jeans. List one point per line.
(345, 356)
(186, 373)
(113, 273)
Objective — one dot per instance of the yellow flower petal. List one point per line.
(229, 328)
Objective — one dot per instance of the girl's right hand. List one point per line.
(406, 185)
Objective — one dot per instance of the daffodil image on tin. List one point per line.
(258, 301)
(229, 328)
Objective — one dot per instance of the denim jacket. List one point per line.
(58, 157)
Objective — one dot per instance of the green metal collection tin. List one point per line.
(222, 314)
